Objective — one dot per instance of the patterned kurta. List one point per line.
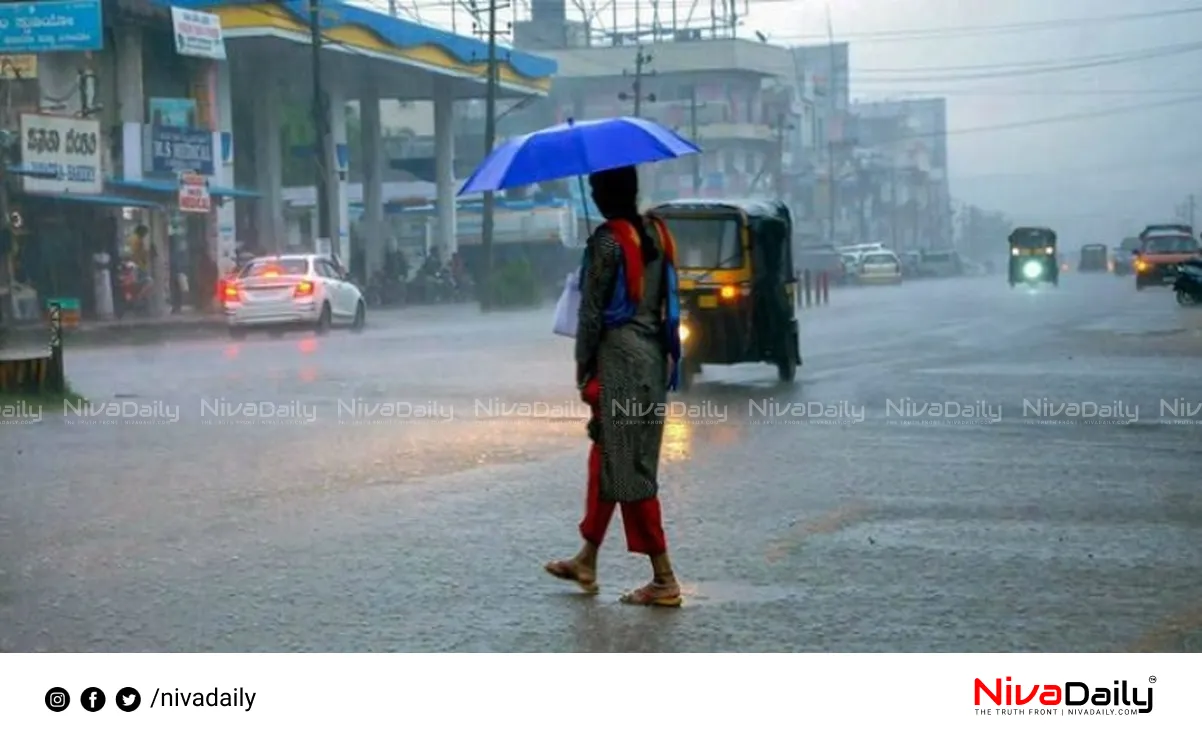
(632, 364)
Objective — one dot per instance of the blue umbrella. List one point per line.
(576, 148)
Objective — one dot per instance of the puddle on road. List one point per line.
(720, 592)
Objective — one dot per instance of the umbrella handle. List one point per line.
(588, 223)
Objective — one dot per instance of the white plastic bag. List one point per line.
(567, 309)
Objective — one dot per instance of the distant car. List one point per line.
(940, 264)
(820, 261)
(1162, 248)
(1122, 261)
(292, 291)
(879, 267)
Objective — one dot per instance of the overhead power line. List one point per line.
(932, 75)
(1050, 120)
(918, 34)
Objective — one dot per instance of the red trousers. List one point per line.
(642, 520)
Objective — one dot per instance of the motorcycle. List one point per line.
(385, 289)
(134, 290)
(1188, 284)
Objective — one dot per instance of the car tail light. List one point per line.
(303, 289)
(231, 293)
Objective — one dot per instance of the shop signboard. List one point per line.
(197, 34)
(176, 149)
(176, 112)
(63, 154)
(194, 195)
(36, 28)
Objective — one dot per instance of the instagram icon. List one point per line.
(57, 699)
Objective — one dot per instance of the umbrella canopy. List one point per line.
(576, 148)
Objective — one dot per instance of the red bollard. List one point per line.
(808, 288)
(825, 284)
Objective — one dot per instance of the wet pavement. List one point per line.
(408, 483)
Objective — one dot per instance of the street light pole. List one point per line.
(490, 139)
(321, 129)
(641, 61)
(693, 135)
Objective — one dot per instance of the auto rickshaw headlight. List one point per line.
(727, 292)
(1032, 269)
(684, 332)
(1014, 251)
(1049, 250)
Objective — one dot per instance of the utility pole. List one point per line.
(893, 209)
(641, 60)
(321, 132)
(488, 220)
(832, 188)
(781, 127)
(693, 136)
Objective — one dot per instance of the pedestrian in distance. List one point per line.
(627, 359)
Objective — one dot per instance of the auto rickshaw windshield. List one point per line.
(706, 243)
(1032, 239)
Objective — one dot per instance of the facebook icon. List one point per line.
(92, 699)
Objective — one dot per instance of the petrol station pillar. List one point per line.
(339, 168)
(373, 183)
(444, 168)
(264, 100)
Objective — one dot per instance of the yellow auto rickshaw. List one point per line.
(1033, 257)
(738, 286)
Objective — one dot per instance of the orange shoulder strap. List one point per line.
(665, 239)
(628, 238)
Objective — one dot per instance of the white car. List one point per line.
(879, 267)
(286, 291)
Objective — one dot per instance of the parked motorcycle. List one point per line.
(133, 290)
(1188, 285)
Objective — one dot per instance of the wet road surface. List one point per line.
(412, 480)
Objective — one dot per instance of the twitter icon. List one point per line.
(128, 699)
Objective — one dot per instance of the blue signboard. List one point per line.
(176, 150)
(33, 28)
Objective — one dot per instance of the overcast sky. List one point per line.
(1106, 170)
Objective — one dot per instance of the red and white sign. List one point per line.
(194, 195)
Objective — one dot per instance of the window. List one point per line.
(271, 267)
(706, 243)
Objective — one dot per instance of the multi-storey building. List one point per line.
(909, 138)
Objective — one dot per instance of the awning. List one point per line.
(99, 199)
(165, 186)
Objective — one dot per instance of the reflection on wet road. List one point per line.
(399, 490)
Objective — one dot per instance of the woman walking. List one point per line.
(627, 354)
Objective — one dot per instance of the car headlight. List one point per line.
(1032, 270)
(684, 332)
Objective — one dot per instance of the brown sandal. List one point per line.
(569, 570)
(654, 594)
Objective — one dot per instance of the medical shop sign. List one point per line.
(178, 150)
(61, 155)
(194, 197)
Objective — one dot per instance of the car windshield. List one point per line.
(879, 259)
(706, 242)
(268, 268)
(1166, 244)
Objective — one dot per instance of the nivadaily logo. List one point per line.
(1071, 697)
